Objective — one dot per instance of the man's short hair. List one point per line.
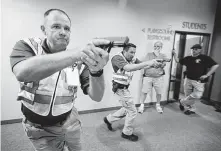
(56, 9)
(128, 45)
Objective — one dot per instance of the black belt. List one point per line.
(198, 80)
(43, 120)
(201, 81)
(124, 87)
(42, 125)
(121, 86)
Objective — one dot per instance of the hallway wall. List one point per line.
(216, 55)
(143, 21)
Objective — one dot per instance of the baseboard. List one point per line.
(215, 104)
(210, 101)
(99, 110)
(214, 101)
(4, 122)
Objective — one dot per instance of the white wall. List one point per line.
(97, 18)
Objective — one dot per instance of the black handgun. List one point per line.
(203, 80)
(114, 42)
(115, 86)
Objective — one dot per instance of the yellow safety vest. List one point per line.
(122, 76)
(55, 93)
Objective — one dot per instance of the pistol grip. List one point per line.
(107, 47)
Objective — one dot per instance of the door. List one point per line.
(183, 41)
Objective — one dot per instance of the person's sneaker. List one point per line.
(108, 124)
(131, 137)
(141, 109)
(159, 108)
(188, 112)
(181, 106)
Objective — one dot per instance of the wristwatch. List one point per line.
(96, 74)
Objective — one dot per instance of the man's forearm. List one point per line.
(96, 88)
(134, 67)
(176, 58)
(212, 70)
(40, 67)
(142, 75)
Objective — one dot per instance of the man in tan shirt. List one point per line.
(153, 77)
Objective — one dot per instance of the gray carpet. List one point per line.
(170, 131)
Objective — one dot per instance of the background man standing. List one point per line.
(153, 77)
(197, 74)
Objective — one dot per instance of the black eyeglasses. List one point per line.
(157, 46)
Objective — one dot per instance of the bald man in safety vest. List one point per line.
(49, 75)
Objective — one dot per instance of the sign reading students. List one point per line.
(190, 25)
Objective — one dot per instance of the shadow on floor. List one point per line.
(114, 141)
(215, 104)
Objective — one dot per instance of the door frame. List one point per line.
(185, 33)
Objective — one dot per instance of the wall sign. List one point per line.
(163, 34)
(190, 25)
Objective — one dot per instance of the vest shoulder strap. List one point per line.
(35, 44)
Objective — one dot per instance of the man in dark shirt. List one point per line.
(197, 73)
(49, 75)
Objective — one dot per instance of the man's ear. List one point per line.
(43, 29)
